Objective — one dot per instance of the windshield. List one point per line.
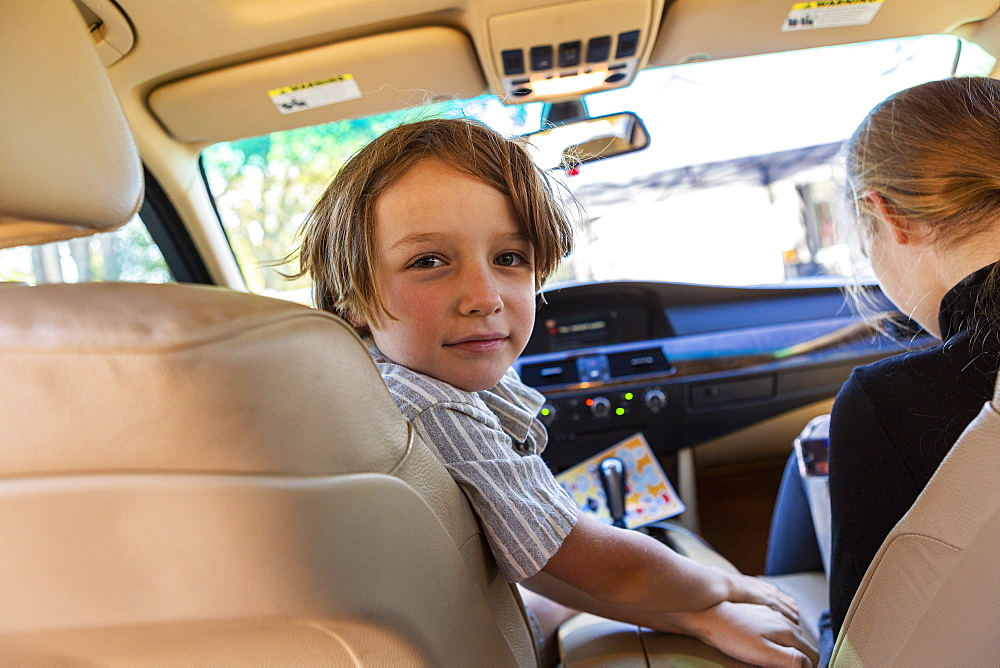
(739, 184)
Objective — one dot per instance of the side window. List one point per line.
(127, 254)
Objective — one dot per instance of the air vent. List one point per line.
(649, 360)
(549, 373)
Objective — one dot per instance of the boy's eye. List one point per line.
(510, 259)
(427, 262)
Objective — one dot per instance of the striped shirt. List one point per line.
(490, 442)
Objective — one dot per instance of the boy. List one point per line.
(433, 241)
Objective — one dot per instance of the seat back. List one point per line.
(196, 474)
(193, 475)
(930, 595)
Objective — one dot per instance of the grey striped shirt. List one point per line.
(490, 442)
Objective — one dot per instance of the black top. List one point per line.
(892, 424)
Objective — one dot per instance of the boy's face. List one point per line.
(457, 271)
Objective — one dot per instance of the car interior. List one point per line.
(199, 468)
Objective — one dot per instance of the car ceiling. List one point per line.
(175, 39)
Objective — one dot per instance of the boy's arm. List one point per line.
(751, 633)
(629, 569)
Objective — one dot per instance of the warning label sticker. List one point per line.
(831, 14)
(312, 94)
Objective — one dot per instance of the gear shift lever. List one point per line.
(611, 471)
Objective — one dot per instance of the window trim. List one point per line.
(171, 236)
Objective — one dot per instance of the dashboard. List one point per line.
(688, 363)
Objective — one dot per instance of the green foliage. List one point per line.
(138, 258)
(127, 254)
(265, 186)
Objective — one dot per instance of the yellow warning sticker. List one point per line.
(312, 94)
(831, 14)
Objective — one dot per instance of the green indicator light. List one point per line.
(629, 396)
(619, 411)
(545, 411)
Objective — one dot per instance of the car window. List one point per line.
(739, 184)
(126, 254)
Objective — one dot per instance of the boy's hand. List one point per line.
(748, 589)
(751, 633)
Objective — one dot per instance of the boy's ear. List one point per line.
(903, 230)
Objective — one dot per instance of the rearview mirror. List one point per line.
(588, 139)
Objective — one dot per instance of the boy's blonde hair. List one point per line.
(338, 238)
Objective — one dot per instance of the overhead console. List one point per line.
(569, 49)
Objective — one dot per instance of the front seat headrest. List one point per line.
(68, 164)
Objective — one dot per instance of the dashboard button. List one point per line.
(548, 414)
(600, 407)
(541, 58)
(513, 61)
(569, 54)
(628, 44)
(598, 49)
(654, 401)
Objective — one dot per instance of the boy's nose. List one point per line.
(479, 293)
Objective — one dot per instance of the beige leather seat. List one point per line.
(930, 597)
(192, 475)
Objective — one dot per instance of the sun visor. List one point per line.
(690, 29)
(344, 80)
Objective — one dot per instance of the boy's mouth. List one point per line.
(482, 343)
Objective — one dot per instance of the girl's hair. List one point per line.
(933, 154)
(338, 238)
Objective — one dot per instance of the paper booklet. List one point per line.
(649, 496)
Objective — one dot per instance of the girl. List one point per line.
(924, 174)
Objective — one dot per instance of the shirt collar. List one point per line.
(515, 404)
(959, 304)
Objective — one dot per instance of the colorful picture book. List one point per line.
(649, 496)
